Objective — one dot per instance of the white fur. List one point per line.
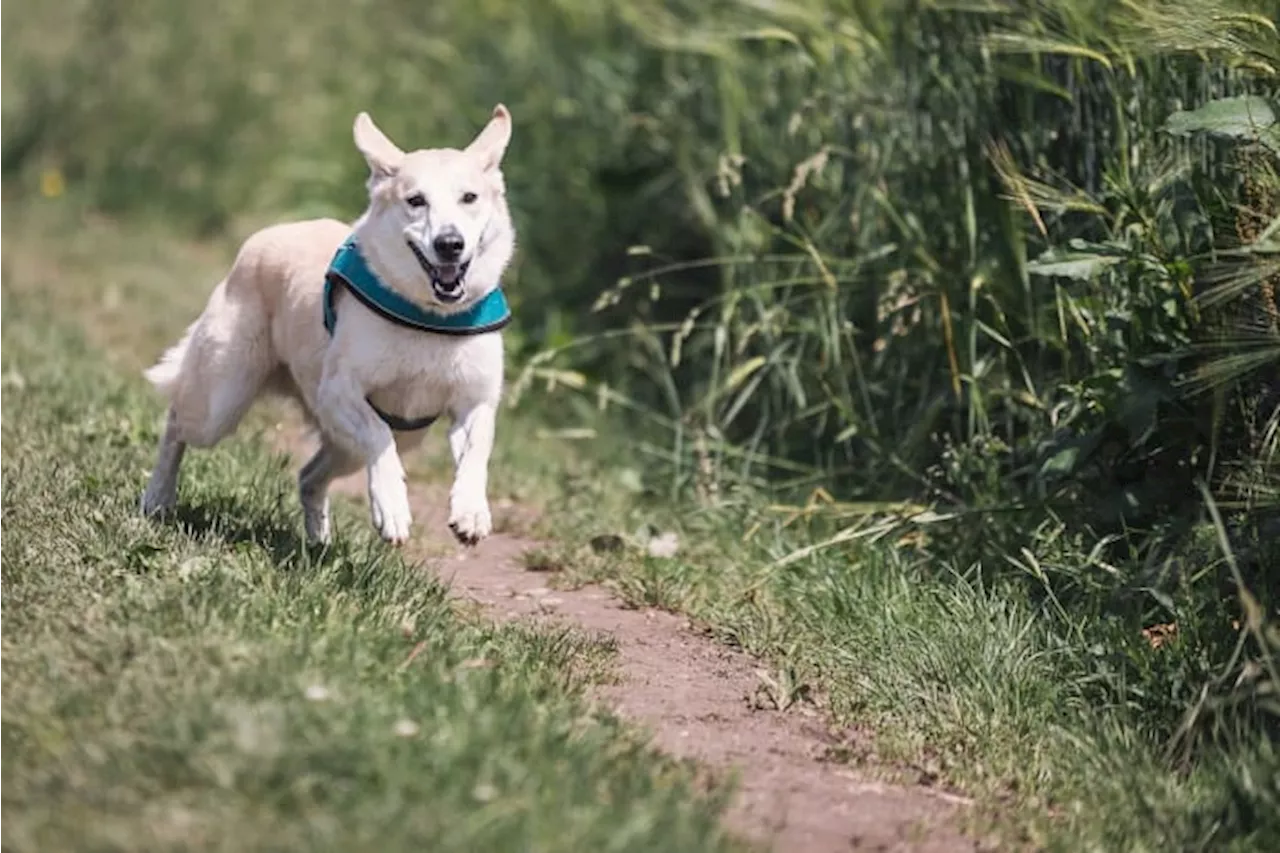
(262, 331)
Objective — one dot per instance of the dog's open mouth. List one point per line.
(448, 281)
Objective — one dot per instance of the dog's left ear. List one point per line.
(491, 144)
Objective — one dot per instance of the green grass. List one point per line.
(211, 685)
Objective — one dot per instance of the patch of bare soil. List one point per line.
(697, 698)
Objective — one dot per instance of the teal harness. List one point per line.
(348, 269)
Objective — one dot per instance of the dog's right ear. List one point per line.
(382, 155)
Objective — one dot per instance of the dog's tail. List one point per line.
(164, 374)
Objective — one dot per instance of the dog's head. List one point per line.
(437, 227)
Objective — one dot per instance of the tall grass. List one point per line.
(995, 278)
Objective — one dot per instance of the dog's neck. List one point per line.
(398, 270)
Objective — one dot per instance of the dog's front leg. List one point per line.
(471, 440)
(348, 419)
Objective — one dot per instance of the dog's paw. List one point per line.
(315, 518)
(156, 502)
(389, 505)
(469, 518)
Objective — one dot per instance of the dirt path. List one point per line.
(694, 695)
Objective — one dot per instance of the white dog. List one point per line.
(376, 329)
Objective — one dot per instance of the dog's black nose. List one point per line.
(448, 245)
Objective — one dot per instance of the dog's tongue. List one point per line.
(447, 273)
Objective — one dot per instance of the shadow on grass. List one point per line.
(352, 564)
(231, 522)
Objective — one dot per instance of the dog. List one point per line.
(376, 328)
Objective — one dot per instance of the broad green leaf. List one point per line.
(1077, 265)
(1244, 117)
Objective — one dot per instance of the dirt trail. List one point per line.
(694, 696)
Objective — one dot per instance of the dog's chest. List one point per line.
(429, 375)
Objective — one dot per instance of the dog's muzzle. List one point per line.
(448, 280)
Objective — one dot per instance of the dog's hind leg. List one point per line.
(211, 377)
(221, 378)
(328, 464)
(162, 489)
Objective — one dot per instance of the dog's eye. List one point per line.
(416, 200)
(468, 198)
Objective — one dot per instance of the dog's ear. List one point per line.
(383, 156)
(491, 143)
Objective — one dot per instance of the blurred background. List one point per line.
(1012, 259)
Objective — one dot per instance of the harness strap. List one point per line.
(400, 424)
